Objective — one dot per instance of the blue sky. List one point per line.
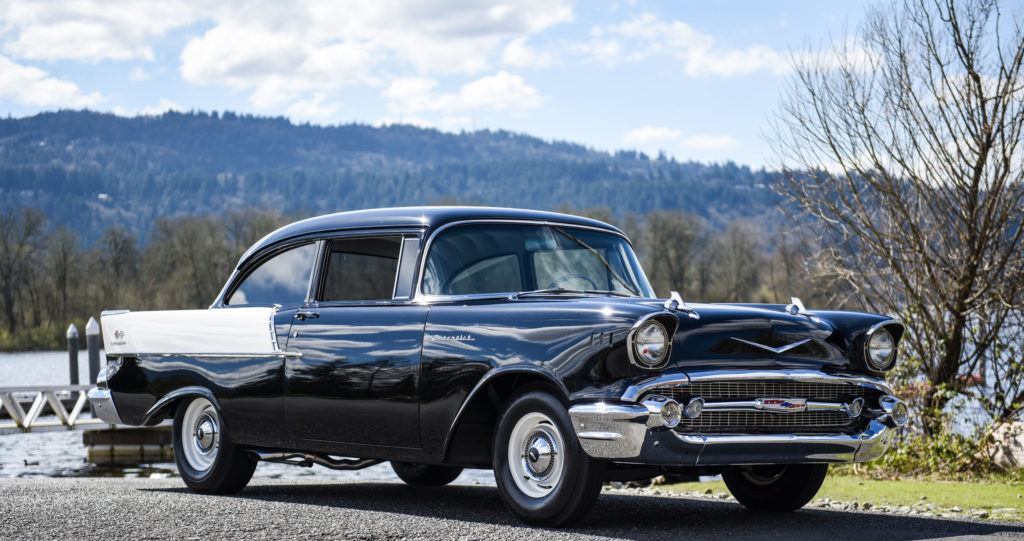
(699, 80)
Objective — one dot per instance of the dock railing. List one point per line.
(12, 398)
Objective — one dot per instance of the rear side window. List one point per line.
(283, 279)
(361, 269)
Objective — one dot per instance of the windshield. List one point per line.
(476, 259)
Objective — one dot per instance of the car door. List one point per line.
(356, 376)
(250, 388)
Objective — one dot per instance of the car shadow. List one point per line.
(623, 516)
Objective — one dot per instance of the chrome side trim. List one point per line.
(208, 355)
(811, 376)
(599, 435)
(778, 350)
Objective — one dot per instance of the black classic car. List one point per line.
(530, 343)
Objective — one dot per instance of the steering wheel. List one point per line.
(554, 284)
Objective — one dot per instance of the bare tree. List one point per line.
(669, 245)
(20, 234)
(738, 264)
(904, 145)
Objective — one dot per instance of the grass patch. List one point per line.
(968, 497)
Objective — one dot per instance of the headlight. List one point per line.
(650, 344)
(881, 350)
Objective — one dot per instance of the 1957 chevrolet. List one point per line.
(528, 342)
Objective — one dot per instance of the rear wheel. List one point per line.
(778, 488)
(425, 475)
(543, 475)
(207, 461)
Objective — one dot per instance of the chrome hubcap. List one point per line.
(534, 455)
(200, 435)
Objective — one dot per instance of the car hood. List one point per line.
(764, 336)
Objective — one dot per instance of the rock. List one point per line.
(924, 498)
(956, 509)
(867, 505)
(1009, 446)
(708, 491)
(722, 496)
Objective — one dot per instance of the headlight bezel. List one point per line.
(889, 330)
(636, 357)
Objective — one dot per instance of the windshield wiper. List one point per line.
(563, 291)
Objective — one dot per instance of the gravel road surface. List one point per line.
(104, 508)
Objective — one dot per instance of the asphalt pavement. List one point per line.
(114, 508)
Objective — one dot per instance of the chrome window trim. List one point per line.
(420, 297)
(635, 391)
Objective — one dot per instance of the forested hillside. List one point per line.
(99, 211)
(93, 170)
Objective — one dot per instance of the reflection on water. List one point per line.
(61, 454)
(42, 368)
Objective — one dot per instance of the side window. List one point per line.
(282, 279)
(361, 269)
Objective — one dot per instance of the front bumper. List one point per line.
(622, 432)
(103, 406)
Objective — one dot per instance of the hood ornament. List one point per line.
(675, 302)
(795, 307)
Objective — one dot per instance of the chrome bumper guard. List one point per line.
(103, 406)
(627, 433)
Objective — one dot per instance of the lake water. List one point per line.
(58, 454)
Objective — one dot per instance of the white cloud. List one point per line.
(139, 73)
(29, 85)
(285, 53)
(645, 36)
(652, 138)
(645, 135)
(498, 92)
(90, 30)
(520, 55)
(709, 142)
(313, 108)
(606, 51)
(161, 108)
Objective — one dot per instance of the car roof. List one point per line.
(427, 218)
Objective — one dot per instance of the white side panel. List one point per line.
(217, 331)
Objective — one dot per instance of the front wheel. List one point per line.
(777, 488)
(425, 475)
(543, 475)
(207, 461)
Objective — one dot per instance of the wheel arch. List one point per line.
(166, 406)
(469, 437)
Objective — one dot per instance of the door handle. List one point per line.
(307, 315)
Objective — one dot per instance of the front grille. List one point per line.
(763, 421)
(767, 422)
(749, 390)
